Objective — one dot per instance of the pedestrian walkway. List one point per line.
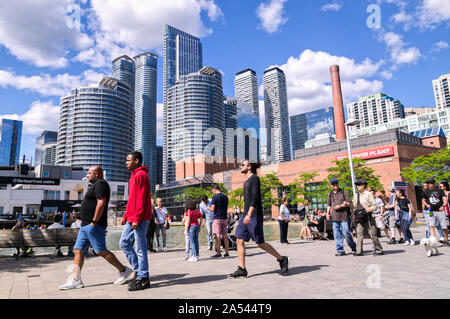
(403, 272)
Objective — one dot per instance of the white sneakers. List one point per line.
(72, 284)
(193, 259)
(166, 249)
(413, 243)
(123, 276)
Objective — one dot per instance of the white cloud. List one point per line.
(439, 46)
(130, 27)
(332, 7)
(47, 85)
(308, 80)
(40, 117)
(433, 12)
(272, 15)
(400, 54)
(37, 32)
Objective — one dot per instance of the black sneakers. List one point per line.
(401, 241)
(392, 241)
(239, 273)
(139, 284)
(284, 266)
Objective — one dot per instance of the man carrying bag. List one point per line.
(365, 204)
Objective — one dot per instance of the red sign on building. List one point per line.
(370, 153)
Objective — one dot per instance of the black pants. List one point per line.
(405, 230)
(151, 234)
(283, 231)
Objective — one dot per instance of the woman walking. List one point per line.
(193, 224)
(284, 217)
(405, 214)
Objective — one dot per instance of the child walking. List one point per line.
(193, 224)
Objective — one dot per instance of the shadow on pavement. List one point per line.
(293, 271)
(24, 264)
(188, 281)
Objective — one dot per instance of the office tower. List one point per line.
(277, 116)
(246, 89)
(374, 110)
(95, 128)
(123, 69)
(11, 137)
(45, 152)
(194, 104)
(145, 111)
(441, 92)
(308, 126)
(242, 136)
(182, 56)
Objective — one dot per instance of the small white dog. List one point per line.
(430, 245)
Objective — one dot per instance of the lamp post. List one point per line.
(351, 122)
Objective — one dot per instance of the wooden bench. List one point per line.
(20, 238)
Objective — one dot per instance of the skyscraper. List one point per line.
(246, 89)
(194, 105)
(307, 126)
(146, 71)
(277, 116)
(124, 70)
(442, 92)
(374, 110)
(11, 137)
(182, 56)
(95, 128)
(45, 152)
(243, 142)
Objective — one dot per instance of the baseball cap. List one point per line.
(334, 181)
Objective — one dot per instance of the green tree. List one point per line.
(237, 199)
(270, 184)
(196, 193)
(342, 173)
(435, 165)
(299, 192)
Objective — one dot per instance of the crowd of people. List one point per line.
(142, 220)
(372, 211)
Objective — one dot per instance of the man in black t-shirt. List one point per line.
(434, 200)
(94, 220)
(219, 205)
(251, 222)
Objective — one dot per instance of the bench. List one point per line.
(20, 238)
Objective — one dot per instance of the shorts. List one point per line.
(91, 235)
(253, 230)
(392, 222)
(220, 226)
(378, 222)
(440, 216)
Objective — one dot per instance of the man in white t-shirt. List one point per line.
(75, 225)
(57, 225)
(161, 224)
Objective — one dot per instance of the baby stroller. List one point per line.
(232, 243)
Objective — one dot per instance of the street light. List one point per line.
(351, 122)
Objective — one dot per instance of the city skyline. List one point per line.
(401, 58)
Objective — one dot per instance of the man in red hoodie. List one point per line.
(136, 221)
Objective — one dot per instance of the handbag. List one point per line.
(167, 225)
(361, 215)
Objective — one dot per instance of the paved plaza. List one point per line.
(403, 272)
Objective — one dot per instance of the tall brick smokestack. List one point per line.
(339, 117)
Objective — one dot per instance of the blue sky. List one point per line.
(42, 55)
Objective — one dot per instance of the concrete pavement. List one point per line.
(403, 272)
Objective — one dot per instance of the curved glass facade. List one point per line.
(11, 137)
(194, 104)
(95, 128)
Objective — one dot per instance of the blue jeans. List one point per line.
(438, 226)
(209, 227)
(193, 238)
(187, 241)
(341, 230)
(137, 259)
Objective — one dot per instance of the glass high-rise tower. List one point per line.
(194, 104)
(11, 137)
(45, 152)
(277, 116)
(246, 89)
(146, 70)
(95, 128)
(182, 55)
